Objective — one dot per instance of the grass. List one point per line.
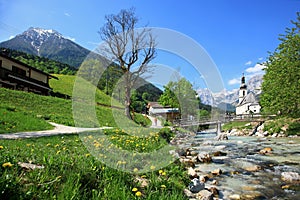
(31, 111)
(70, 172)
(13, 120)
(236, 125)
(288, 126)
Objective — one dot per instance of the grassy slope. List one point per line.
(22, 111)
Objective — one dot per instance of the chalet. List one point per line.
(20, 76)
(157, 110)
(248, 102)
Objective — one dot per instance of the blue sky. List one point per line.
(237, 34)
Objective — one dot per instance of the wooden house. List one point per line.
(20, 76)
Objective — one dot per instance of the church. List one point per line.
(248, 102)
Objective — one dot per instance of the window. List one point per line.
(19, 71)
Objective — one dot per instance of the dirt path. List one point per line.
(156, 124)
(58, 130)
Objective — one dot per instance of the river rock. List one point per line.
(222, 136)
(214, 191)
(192, 173)
(219, 153)
(252, 168)
(216, 172)
(204, 195)
(189, 194)
(266, 150)
(203, 178)
(196, 186)
(204, 157)
(235, 197)
(187, 162)
(290, 176)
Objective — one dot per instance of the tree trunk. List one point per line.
(127, 96)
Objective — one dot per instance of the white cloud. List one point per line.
(256, 69)
(260, 59)
(248, 63)
(234, 81)
(11, 37)
(67, 14)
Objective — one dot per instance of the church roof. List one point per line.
(249, 98)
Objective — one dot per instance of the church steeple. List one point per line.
(243, 89)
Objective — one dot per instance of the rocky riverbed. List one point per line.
(241, 167)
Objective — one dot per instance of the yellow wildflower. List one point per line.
(164, 174)
(152, 167)
(135, 170)
(138, 194)
(163, 186)
(161, 171)
(1, 147)
(87, 155)
(134, 189)
(7, 164)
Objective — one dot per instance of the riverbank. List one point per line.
(241, 167)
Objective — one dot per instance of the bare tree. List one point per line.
(132, 48)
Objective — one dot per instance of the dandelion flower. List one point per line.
(134, 190)
(7, 164)
(135, 170)
(163, 186)
(164, 174)
(1, 147)
(152, 167)
(161, 171)
(138, 194)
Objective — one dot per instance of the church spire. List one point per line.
(243, 82)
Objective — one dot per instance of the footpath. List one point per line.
(62, 130)
(58, 130)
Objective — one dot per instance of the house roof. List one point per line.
(30, 67)
(249, 98)
(155, 105)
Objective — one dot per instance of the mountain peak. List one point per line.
(48, 43)
(42, 31)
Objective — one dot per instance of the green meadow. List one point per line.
(65, 167)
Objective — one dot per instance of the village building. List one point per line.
(248, 101)
(157, 110)
(20, 76)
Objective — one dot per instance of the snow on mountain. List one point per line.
(48, 43)
(229, 97)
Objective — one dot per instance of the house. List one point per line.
(20, 76)
(248, 102)
(157, 110)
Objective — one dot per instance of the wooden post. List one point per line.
(219, 128)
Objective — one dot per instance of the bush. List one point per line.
(166, 134)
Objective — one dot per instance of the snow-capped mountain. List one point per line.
(48, 43)
(229, 97)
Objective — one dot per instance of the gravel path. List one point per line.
(58, 130)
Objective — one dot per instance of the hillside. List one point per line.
(49, 44)
(41, 63)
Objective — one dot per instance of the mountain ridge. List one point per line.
(229, 97)
(48, 43)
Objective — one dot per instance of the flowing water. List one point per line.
(247, 173)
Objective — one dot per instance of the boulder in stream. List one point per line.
(290, 176)
(196, 186)
(204, 195)
(204, 157)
